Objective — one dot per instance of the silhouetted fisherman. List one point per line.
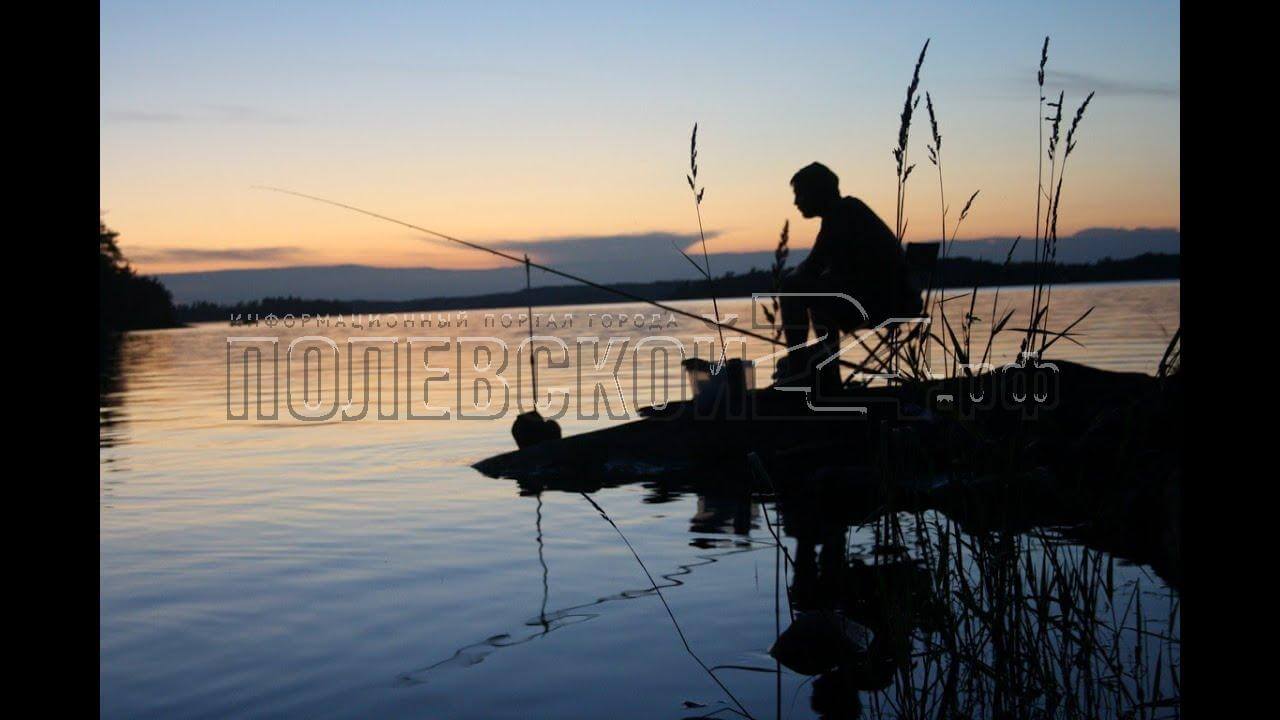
(856, 254)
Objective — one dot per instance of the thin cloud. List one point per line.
(428, 69)
(1079, 83)
(193, 255)
(144, 117)
(593, 248)
(247, 115)
(221, 114)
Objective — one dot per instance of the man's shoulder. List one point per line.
(855, 204)
(855, 213)
(864, 221)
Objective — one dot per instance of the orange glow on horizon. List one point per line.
(329, 236)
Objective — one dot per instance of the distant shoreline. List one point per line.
(952, 274)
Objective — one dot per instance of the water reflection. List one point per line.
(111, 387)
(914, 614)
(548, 621)
(355, 569)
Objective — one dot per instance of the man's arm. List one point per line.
(819, 259)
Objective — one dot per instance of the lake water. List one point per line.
(329, 568)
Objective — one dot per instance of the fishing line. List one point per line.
(759, 471)
(533, 366)
(545, 268)
(542, 614)
(657, 590)
(528, 263)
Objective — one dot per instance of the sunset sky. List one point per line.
(527, 121)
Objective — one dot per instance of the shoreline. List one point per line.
(501, 306)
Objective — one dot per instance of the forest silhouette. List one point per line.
(127, 300)
(951, 273)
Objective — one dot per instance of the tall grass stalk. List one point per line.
(1054, 207)
(773, 313)
(903, 172)
(697, 191)
(995, 301)
(920, 354)
(1024, 625)
(908, 357)
(1044, 58)
(1171, 360)
(904, 134)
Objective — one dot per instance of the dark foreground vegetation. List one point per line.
(127, 300)
(951, 273)
(1001, 501)
(992, 588)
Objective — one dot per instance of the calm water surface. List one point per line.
(363, 569)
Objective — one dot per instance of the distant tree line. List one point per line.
(968, 272)
(283, 305)
(950, 273)
(127, 300)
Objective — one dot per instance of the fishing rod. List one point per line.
(533, 366)
(528, 263)
(568, 276)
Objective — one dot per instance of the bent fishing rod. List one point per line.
(528, 263)
(545, 268)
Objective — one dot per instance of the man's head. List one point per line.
(817, 189)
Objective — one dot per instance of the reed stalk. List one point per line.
(697, 191)
(773, 313)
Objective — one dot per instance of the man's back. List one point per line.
(863, 254)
